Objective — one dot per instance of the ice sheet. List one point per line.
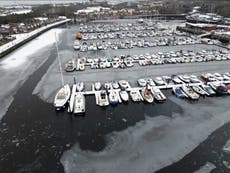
(153, 143)
(21, 63)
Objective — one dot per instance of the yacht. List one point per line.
(79, 105)
(62, 97)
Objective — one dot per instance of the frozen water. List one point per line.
(152, 143)
(208, 167)
(21, 63)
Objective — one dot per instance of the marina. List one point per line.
(182, 86)
(105, 94)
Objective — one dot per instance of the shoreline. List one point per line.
(13, 45)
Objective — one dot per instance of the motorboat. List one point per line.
(176, 80)
(194, 79)
(103, 99)
(159, 81)
(113, 98)
(81, 66)
(199, 90)
(184, 78)
(97, 86)
(62, 97)
(157, 94)
(124, 95)
(208, 89)
(141, 82)
(79, 86)
(179, 92)
(107, 85)
(150, 82)
(79, 105)
(135, 95)
(190, 93)
(124, 84)
(70, 65)
(219, 88)
(147, 95)
(76, 45)
(115, 85)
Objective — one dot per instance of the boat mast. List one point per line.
(59, 61)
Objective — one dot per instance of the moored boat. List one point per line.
(124, 95)
(208, 89)
(199, 90)
(80, 86)
(147, 95)
(157, 94)
(190, 93)
(178, 92)
(103, 99)
(113, 98)
(62, 97)
(79, 104)
(97, 86)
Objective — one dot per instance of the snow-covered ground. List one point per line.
(23, 37)
(154, 142)
(21, 63)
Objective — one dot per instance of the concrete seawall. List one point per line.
(17, 45)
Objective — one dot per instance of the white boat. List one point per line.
(184, 78)
(157, 94)
(194, 79)
(142, 82)
(159, 81)
(147, 95)
(189, 92)
(107, 85)
(135, 95)
(79, 105)
(113, 98)
(81, 67)
(176, 80)
(62, 97)
(115, 85)
(103, 99)
(77, 45)
(97, 86)
(80, 86)
(72, 98)
(179, 92)
(124, 95)
(199, 90)
(124, 84)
